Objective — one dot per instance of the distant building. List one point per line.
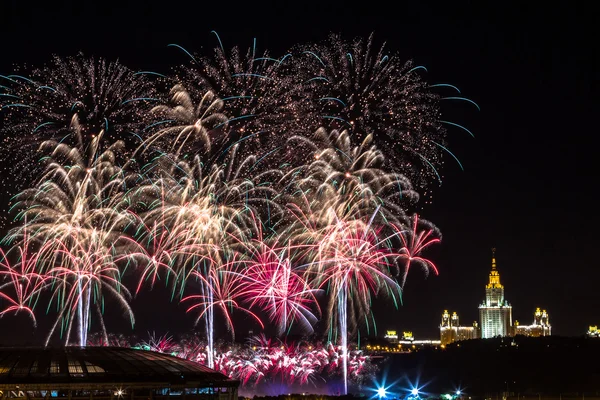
(391, 336)
(540, 327)
(451, 331)
(495, 316)
(420, 343)
(593, 332)
(495, 313)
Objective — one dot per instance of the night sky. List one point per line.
(530, 181)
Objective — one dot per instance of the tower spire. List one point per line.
(494, 275)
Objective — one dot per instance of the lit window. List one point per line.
(54, 367)
(75, 367)
(93, 369)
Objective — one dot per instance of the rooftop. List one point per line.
(102, 365)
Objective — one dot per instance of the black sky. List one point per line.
(530, 180)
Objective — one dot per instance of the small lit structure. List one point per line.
(391, 336)
(107, 373)
(451, 331)
(593, 331)
(540, 327)
(420, 343)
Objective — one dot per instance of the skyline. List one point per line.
(526, 188)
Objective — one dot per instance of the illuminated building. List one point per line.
(540, 327)
(451, 331)
(593, 332)
(496, 317)
(420, 343)
(407, 336)
(495, 313)
(108, 373)
(391, 336)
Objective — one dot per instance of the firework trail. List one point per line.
(73, 215)
(83, 273)
(353, 262)
(151, 254)
(20, 283)
(414, 241)
(225, 291)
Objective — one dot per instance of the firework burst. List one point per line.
(276, 188)
(73, 216)
(71, 101)
(357, 87)
(276, 285)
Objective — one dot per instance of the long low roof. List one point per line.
(102, 365)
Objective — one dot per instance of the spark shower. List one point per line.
(282, 188)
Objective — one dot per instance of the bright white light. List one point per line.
(458, 392)
(381, 392)
(414, 391)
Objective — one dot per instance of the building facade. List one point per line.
(539, 327)
(451, 331)
(593, 331)
(495, 314)
(391, 336)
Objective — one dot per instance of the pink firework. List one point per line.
(160, 344)
(20, 284)
(275, 287)
(414, 241)
(353, 262)
(81, 273)
(221, 288)
(154, 254)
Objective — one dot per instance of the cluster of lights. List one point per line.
(388, 349)
(383, 392)
(399, 349)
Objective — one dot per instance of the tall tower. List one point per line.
(495, 313)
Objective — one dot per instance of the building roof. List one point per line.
(100, 366)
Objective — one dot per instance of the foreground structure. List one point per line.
(107, 373)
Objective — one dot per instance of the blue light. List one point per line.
(381, 392)
(414, 392)
(458, 392)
